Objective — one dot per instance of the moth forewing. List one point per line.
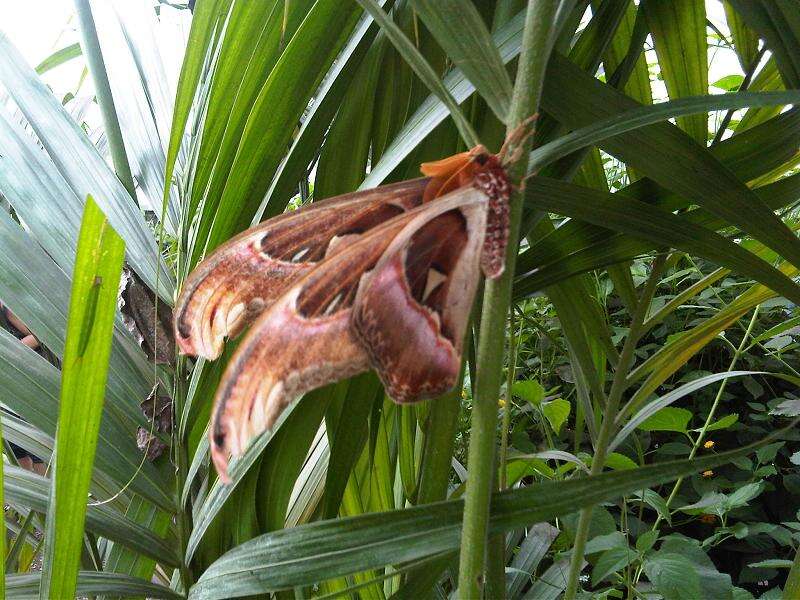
(296, 345)
(236, 282)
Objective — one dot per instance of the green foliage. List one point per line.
(655, 328)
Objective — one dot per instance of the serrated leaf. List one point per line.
(673, 575)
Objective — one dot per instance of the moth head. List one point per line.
(458, 170)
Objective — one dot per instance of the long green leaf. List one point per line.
(140, 87)
(745, 40)
(661, 227)
(248, 53)
(316, 122)
(32, 490)
(59, 57)
(459, 29)
(422, 68)
(642, 116)
(92, 584)
(275, 112)
(678, 28)
(98, 267)
(777, 22)
(311, 553)
(81, 165)
(208, 17)
(577, 246)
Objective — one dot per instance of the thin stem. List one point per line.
(535, 51)
(97, 67)
(742, 348)
(618, 387)
(182, 518)
(748, 77)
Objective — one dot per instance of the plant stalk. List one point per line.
(97, 67)
(536, 45)
(618, 387)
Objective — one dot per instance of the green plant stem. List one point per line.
(742, 348)
(97, 67)
(536, 45)
(182, 518)
(618, 387)
(511, 373)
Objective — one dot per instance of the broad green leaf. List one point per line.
(678, 28)
(669, 418)
(311, 553)
(557, 412)
(93, 302)
(530, 390)
(459, 29)
(618, 461)
(673, 575)
(646, 540)
(611, 561)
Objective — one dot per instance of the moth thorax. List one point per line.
(495, 185)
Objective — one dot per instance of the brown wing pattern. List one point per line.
(233, 285)
(412, 309)
(305, 338)
(384, 279)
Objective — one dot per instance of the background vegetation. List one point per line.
(648, 335)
